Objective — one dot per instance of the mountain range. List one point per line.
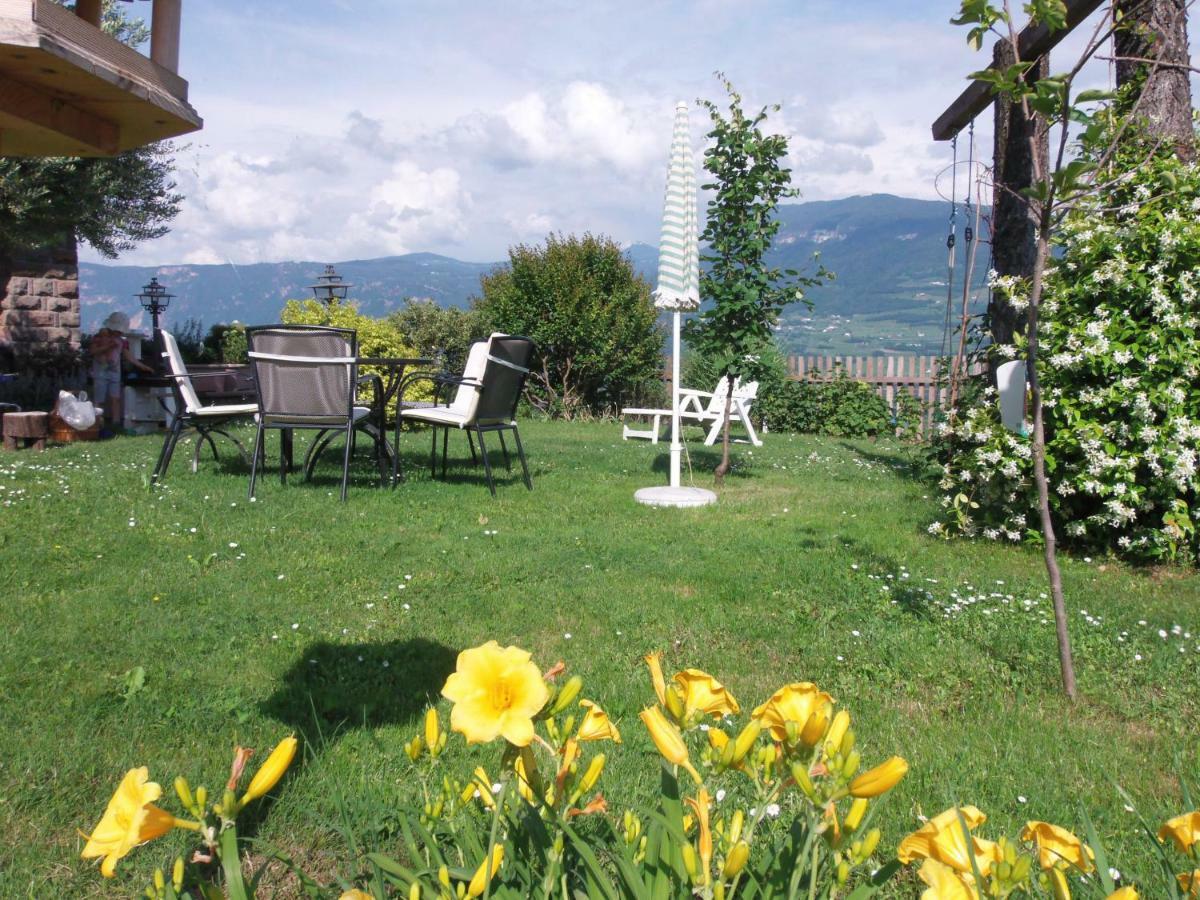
(888, 253)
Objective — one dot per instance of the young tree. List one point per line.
(746, 294)
(588, 311)
(1061, 183)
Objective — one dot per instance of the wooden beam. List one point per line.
(44, 111)
(89, 10)
(1035, 42)
(164, 33)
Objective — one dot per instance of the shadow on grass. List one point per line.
(704, 461)
(907, 463)
(333, 687)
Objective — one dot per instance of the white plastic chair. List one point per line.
(703, 408)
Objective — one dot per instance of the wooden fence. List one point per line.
(920, 376)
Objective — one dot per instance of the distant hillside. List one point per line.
(888, 253)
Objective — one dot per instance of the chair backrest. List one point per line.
(508, 359)
(304, 374)
(744, 392)
(185, 391)
(467, 397)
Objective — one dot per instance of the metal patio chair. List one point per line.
(486, 401)
(307, 378)
(190, 413)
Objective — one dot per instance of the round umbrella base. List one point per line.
(675, 496)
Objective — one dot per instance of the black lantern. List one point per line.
(154, 299)
(330, 287)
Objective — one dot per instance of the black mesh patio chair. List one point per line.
(190, 413)
(485, 401)
(307, 378)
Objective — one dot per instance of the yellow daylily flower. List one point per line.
(130, 819)
(945, 883)
(596, 726)
(942, 839)
(1183, 831)
(1125, 893)
(797, 702)
(1189, 883)
(271, 770)
(880, 779)
(736, 859)
(704, 841)
(654, 664)
(485, 873)
(703, 693)
(496, 693)
(1057, 847)
(667, 739)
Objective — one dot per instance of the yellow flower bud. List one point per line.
(717, 739)
(566, 695)
(843, 872)
(414, 892)
(690, 862)
(854, 818)
(792, 732)
(800, 775)
(745, 740)
(485, 873)
(870, 842)
(354, 894)
(592, 774)
(880, 779)
(837, 730)
(847, 742)
(654, 664)
(414, 747)
(483, 785)
(850, 766)
(271, 770)
(735, 826)
(667, 739)
(177, 874)
(202, 799)
(675, 705)
(735, 860)
(160, 881)
(433, 730)
(444, 876)
(184, 792)
(1058, 884)
(814, 728)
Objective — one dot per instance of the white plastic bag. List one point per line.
(77, 412)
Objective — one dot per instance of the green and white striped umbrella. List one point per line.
(679, 249)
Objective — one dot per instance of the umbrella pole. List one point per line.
(676, 449)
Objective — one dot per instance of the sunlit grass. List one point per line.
(249, 618)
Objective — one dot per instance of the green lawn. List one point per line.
(336, 621)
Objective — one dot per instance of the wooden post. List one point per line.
(164, 33)
(1013, 241)
(89, 11)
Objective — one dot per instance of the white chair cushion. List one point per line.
(438, 415)
(228, 409)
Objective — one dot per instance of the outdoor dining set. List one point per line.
(308, 377)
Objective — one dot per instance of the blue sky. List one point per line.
(339, 129)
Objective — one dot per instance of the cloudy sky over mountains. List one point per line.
(339, 129)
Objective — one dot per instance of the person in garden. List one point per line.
(108, 349)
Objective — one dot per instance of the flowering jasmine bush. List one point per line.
(1120, 366)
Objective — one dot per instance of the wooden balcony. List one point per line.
(68, 89)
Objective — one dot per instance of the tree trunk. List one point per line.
(723, 469)
(1014, 241)
(1157, 30)
(1065, 658)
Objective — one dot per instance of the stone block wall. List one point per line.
(39, 304)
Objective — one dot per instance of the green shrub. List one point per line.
(1118, 365)
(840, 406)
(591, 316)
(376, 337)
(434, 330)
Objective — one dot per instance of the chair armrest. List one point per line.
(691, 392)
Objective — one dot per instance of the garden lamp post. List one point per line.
(330, 287)
(155, 299)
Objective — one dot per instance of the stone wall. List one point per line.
(39, 304)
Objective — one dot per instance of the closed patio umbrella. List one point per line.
(678, 291)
